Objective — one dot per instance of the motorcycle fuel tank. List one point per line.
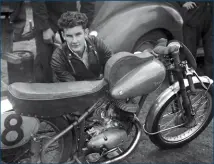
(140, 81)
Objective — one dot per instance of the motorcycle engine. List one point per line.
(108, 132)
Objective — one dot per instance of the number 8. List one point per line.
(9, 128)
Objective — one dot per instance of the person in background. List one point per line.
(81, 56)
(13, 20)
(46, 15)
(198, 19)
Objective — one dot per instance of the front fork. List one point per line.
(186, 103)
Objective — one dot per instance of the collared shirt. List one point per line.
(84, 58)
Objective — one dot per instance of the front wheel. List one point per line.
(171, 116)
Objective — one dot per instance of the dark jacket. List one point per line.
(194, 17)
(47, 13)
(67, 67)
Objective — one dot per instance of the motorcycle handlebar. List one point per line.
(176, 47)
(171, 48)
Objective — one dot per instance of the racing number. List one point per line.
(15, 128)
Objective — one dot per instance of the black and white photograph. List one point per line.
(91, 82)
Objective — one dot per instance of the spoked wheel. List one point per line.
(54, 151)
(172, 117)
(58, 151)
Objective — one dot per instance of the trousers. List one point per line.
(192, 36)
(42, 69)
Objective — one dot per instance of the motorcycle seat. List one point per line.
(54, 91)
(55, 99)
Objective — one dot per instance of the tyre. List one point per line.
(59, 151)
(149, 40)
(170, 116)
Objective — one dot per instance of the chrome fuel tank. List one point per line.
(140, 81)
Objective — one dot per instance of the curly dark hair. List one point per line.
(71, 19)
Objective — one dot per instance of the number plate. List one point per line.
(16, 130)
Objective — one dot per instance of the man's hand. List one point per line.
(189, 5)
(57, 38)
(48, 36)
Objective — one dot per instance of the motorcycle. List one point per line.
(97, 121)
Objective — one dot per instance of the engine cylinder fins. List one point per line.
(130, 106)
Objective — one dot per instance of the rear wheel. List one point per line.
(59, 151)
(170, 116)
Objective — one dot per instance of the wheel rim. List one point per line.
(202, 107)
(54, 152)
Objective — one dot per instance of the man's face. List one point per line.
(75, 37)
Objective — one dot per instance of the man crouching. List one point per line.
(81, 57)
